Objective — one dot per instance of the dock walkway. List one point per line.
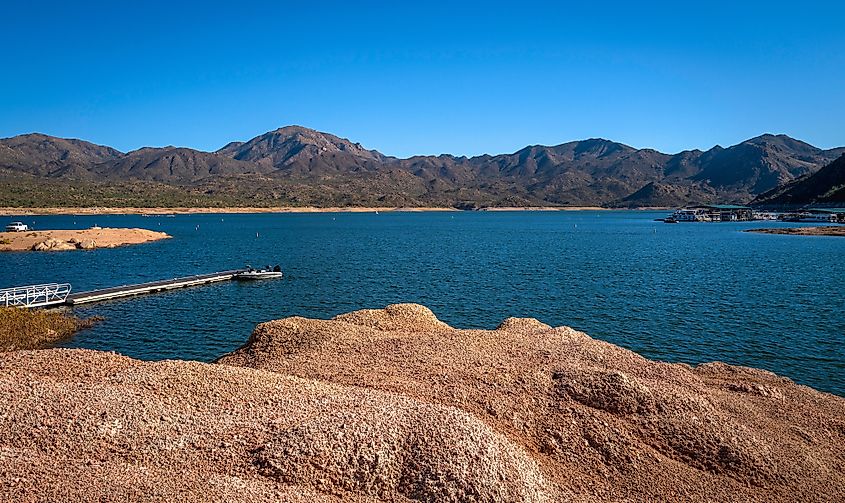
(155, 286)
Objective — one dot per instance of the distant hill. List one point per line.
(760, 164)
(294, 165)
(661, 194)
(173, 164)
(42, 155)
(825, 186)
(302, 150)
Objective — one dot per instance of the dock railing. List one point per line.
(35, 295)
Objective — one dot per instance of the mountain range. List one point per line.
(298, 166)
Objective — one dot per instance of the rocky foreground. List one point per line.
(82, 239)
(394, 405)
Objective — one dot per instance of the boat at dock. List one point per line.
(263, 273)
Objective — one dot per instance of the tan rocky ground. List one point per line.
(804, 231)
(394, 405)
(84, 239)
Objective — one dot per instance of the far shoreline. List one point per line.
(39, 211)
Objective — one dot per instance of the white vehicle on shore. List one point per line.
(17, 227)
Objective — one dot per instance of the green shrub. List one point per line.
(36, 328)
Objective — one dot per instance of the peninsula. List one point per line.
(83, 239)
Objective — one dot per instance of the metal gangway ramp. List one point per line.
(48, 294)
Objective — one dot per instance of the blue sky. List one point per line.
(426, 78)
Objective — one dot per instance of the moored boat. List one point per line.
(262, 273)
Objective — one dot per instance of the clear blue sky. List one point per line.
(425, 78)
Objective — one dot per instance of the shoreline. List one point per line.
(12, 212)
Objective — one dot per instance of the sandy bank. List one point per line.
(804, 231)
(189, 211)
(394, 405)
(60, 240)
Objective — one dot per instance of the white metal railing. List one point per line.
(35, 295)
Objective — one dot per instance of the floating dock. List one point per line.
(155, 286)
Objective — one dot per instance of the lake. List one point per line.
(680, 293)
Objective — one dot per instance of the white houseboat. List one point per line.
(712, 213)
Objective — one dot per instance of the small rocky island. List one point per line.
(804, 231)
(395, 405)
(84, 239)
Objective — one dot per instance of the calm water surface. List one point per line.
(682, 293)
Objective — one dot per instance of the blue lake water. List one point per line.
(682, 293)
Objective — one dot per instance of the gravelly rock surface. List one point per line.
(395, 405)
(600, 420)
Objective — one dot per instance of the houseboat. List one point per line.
(713, 213)
(764, 215)
(829, 215)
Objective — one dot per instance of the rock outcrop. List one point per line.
(53, 244)
(81, 425)
(601, 421)
(395, 405)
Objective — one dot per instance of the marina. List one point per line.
(738, 213)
